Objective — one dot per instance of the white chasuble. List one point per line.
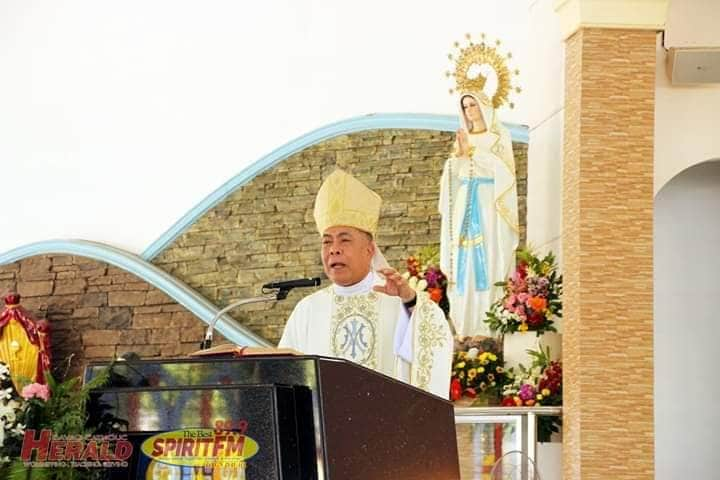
(374, 330)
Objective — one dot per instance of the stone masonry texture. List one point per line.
(265, 230)
(97, 311)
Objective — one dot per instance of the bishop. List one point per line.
(369, 314)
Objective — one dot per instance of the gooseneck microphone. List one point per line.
(280, 293)
(299, 283)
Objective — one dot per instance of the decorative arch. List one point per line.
(168, 284)
(378, 121)
(686, 262)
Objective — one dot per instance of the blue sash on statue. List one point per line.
(472, 237)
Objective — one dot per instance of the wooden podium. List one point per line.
(282, 417)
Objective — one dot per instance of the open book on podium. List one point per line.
(238, 351)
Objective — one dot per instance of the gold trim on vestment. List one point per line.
(430, 337)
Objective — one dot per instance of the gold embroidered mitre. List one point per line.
(344, 200)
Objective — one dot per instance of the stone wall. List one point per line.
(265, 230)
(96, 311)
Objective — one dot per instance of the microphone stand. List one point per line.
(281, 294)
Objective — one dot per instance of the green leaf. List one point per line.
(18, 471)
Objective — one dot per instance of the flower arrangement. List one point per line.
(58, 406)
(424, 274)
(532, 297)
(12, 412)
(538, 385)
(477, 370)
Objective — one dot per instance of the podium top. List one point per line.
(288, 369)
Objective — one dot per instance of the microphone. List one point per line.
(266, 297)
(282, 292)
(299, 283)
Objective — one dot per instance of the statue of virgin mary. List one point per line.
(479, 209)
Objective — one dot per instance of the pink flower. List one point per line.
(35, 390)
(527, 392)
(523, 297)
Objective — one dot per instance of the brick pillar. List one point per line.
(608, 254)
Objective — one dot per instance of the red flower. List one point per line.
(508, 402)
(535, 319)
(436, 294)
(552, 378)
(470, 392)
(522, 270)
(413, 266)
(455, 389)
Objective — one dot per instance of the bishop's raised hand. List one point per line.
(395, 285)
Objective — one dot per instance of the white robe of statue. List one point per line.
(479, 228)
(374, 330)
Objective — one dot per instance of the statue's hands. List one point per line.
(395, 285)
(463, 144)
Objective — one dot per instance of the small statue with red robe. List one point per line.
(24, 343)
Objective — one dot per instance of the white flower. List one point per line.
(406, 275)
(6, 393)
(417, 284)
(8, 409)
(472, 353)
(4, 371)
(510, 390)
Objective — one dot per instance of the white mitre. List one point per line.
(343, 200)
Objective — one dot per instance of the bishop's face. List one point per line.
(346, 254)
